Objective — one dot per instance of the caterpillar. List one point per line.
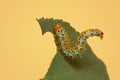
(63, 40)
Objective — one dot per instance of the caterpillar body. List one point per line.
(63, 40)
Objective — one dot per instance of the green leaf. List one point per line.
(89, 67)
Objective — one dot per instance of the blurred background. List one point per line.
(26, 55)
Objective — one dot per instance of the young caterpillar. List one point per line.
(64, 41)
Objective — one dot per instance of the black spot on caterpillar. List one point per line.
(64, 41)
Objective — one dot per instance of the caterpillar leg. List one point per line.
(58, 49)
(84, 48)
(81, 55)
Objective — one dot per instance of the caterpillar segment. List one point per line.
(64, 41)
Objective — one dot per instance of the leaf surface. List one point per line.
(89, 67)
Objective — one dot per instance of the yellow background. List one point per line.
(26, 55)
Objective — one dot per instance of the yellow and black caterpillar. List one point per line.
(63, 40)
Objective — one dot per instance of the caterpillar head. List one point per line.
(57, 27)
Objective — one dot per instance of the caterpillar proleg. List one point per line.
(63, 40)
